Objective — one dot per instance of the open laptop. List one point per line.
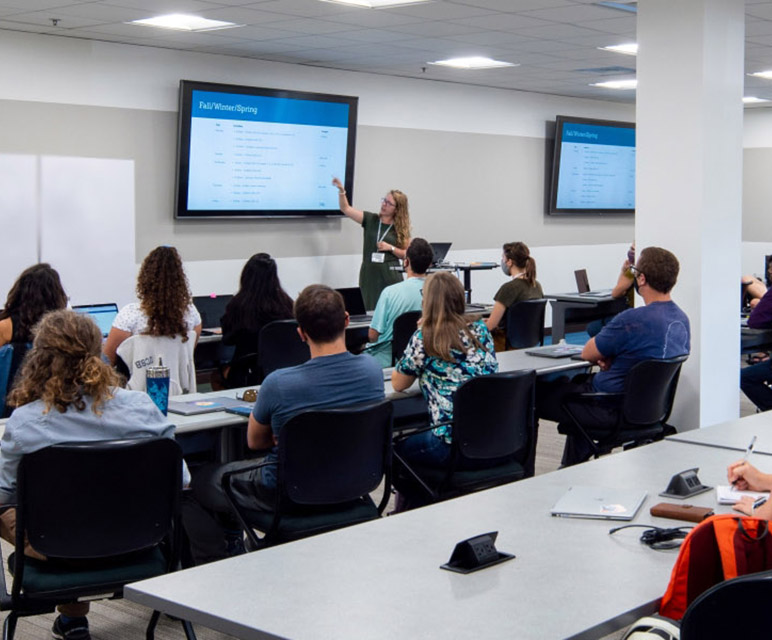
(440, 250)
(211, 308)
(583, 285)
(599, 502)
(355, 304)
(103, 314)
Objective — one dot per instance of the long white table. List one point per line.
(733, 434)
(380, 580)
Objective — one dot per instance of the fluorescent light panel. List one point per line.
(753, 100)
(623, 85)
(376, 4)
(767, 75)
(629, 49)
(473, 62)
(184, 22)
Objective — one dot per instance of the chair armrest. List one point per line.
(405, 436)
(228, 491)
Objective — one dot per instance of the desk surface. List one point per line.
(382, 579)
(579, 298)
(733, 434)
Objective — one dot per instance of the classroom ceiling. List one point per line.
(553, 42)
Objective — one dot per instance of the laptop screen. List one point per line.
(352, 298)
(102, 314)
(582, 283)
(212, 309)
(440, 250)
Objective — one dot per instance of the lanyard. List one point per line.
(380, 239)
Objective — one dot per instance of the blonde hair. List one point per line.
(64, 365)
(401, 218)
(444, 321)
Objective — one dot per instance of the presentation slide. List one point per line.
(262, 153)
(597, 167)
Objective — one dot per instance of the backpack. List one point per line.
(719, 548)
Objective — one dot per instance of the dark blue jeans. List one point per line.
(754, 381)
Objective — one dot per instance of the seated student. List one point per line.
(448, 348)
(399, 298)
(333, 377)
(36, 291)
(623, 287)
(165, 306)
(755, 380)
(517, 263)
(753, 291)
(260, 300)
(66, 393)
(745, 477)
(658, 330)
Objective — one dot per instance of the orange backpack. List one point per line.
(719, 548)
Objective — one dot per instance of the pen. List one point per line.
(749, 450)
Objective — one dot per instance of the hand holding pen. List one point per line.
(745, 477)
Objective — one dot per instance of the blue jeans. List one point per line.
(753, 382)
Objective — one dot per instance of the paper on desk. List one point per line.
(727, 494)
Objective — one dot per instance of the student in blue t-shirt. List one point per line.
(658, 330)
(399, 298)
(333, 377)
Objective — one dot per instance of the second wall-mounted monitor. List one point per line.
(247, 152)
(593, 169)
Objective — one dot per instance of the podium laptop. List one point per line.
(583, 285)
(599, 503)
(440, 250)
(103, 314)
(355, 304)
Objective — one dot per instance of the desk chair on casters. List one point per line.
(641, 411)
(280, 346)
(101, 512)
(329, 462)
(493, 419)
(525, 324)
(404, 327)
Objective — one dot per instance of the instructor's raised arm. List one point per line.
(355, 214)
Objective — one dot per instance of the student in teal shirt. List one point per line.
(398, 299)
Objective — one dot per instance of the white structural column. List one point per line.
(689, 183)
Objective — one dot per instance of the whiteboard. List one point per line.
(19, 204)
(87, 226)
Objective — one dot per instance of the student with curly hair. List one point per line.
(66, 393)
(165, 306)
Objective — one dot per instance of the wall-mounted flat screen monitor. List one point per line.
(593, 169)
(246, 152)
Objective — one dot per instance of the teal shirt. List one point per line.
(394, 301)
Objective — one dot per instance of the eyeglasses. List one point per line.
(636, 271)
(388, 202)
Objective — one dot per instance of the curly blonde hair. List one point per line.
(65, 365)
(164, 293)
(401, 218)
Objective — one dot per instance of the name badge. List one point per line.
(377, 257)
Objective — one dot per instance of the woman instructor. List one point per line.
(386, 238)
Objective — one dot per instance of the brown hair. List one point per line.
(519, 253)
(64, 365)
(401, 218)
(321, 313)
(660, 267)
(163, 292)
(36, 291)
(443, 317)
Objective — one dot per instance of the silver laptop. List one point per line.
(599, 502)
(103, 314)
(556, 351)
(205, 405)
(583, 285)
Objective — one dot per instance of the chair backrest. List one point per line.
(525, 323)
(493, 416)
(713, 614)
(6, 356)
(650, 388)
(142, 351)
(280, 346)
(404, 327)
(99, 499)
(333, 456)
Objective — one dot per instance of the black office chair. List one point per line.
(714, 613)
(10, 362)
(641, 410)
(101, 512)
(329, 462)
(493, 419)
(525, 324)
(404, 327)
(280, 346)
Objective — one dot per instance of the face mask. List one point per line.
(504, 266)
(635, 286)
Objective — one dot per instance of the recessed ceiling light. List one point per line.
(617, 84)
(630, 49)
(474, 62)
(376, 4)
(183, 22)
(762, 74)
(753, 100)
